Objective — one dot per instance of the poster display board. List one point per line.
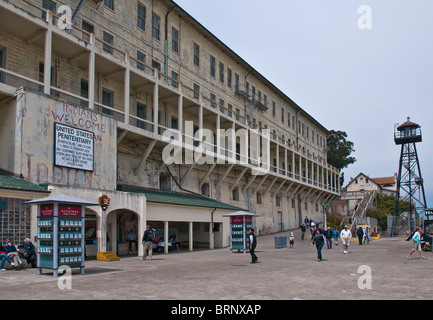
(60, 237)
(240, 224)
(73, 148)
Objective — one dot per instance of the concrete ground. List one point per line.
(282, 274)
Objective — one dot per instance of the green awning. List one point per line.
(181, 199)
(9, 181)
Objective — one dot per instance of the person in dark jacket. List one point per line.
(12, 253)
(319, 241)
(253, 244)
(360, 234)
(29, 252)
(328, 236)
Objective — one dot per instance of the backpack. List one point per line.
(151, 235)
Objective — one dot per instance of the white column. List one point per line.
(127, 84)
(48, 53)
(155, 107)
(306, 170)
(165, 236)
(191, 235)
(92, 66)
(293, 165)
(180, 114)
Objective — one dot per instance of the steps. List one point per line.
(107, 256)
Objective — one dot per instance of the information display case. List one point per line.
(240, 224)
(61, 237)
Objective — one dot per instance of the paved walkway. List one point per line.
(282, 274)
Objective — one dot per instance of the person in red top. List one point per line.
(4, 257)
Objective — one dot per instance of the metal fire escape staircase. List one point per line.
(361, 210)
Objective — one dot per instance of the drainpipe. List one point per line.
(77, 10)
(166, 42)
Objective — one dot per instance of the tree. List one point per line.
(339, 150)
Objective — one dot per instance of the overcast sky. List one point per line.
(349, 72)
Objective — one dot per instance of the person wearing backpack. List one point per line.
(148, 238)
(416, 237)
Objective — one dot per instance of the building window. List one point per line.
(282, 115)
(141, 59)
(2, 63)
(175, 40)
(221, 67)
(205, 189)
(274, 109)
(108, 42)
(89, 28)
(229, 78)
(164, 181)
(174, 123)
(15, 220)
(222, 109)
(259, 198)
(107, 100)
(109, 4)
(141, 16)
(196, 54)
(141, 113)
(212, 66)
(230, 107)
(84, 92)
(236, 82)
(235, 194)
(156, 26)
(288, 119)
(196, 91)
(213, 100)
(175, 79)
(278, 201)
(48, 5)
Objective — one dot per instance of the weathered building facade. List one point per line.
(128, 72)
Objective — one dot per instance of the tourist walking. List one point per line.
(319, 241)
(366, 235)
(336, 234)
(346, 235)
(148, 238)
(303, 229)
(328, 236)
(416, 237)
(360, 234)
(253, 245)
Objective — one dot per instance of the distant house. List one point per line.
(357, 188)
(362, 182)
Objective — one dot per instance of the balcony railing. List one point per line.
(140, 68)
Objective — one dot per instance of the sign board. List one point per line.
(69, 211)
(47, 210)
(428, 212)
(73, 148)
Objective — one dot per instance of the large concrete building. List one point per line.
(85, 110)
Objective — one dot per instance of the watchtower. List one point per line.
(410, 186)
